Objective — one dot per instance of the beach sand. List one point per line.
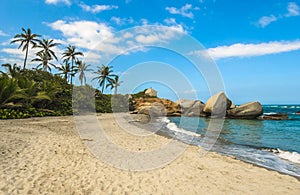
(48, 156)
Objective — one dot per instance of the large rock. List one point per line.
(157, 107)
(191, 107)
(217, 104)
(154, 109)
(249, 110)
(151, 92)
(278, 116)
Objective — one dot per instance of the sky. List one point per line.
(184, 49)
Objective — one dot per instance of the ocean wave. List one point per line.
(286, 155)
(173, 127)
(268, 113)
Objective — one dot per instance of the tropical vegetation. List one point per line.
(36, 92)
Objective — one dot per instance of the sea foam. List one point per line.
(173, 127)
(290, 156)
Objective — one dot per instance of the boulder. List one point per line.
(151, 92)
(156, 107)
(185, 104)
(249, 110)
(217, 104)
(278, 116)
(191, 107)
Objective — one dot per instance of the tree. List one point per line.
(71, 54)
(65, 70)
(104, 75)
(43, 58)
(8, 89)
(25, 39)
(12, 70)
(48, 54)
(115, 84)
(82, 68)
(31, 91)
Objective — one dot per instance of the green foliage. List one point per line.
(103, 103)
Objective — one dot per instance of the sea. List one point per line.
(273, 144)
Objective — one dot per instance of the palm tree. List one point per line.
(71, 54)
(8, 89)
(115, 84)
(65, 70)
(104, 75)
(12, 70)
(25, 39)
(46, 46)
(31, 92)
(43, 58)
(82, 68)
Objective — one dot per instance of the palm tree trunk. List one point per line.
(116, 90)
(103, 86)
(72, 73)
(26, 54)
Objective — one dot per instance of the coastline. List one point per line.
(47, 155)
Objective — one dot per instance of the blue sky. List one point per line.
(254, 44)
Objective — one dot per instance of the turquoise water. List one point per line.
(272, 144)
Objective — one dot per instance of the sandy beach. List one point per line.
(48, 156)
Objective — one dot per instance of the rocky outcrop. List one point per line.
(151, 92)
(249, 110)
(191, 107)
(278, 116)
(217, 105)
(156, 107)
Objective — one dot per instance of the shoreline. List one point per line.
(47, 155)
(148, 128)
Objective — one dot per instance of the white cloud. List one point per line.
(67, 2)
(17, 56)
(266, 20)
(85, 34)
(3, 33)
(144, 21)
(185, 11)
(158, 33)
(170, 21)
(121, 21)
(248, 50)
(293, 10)
(97, 8)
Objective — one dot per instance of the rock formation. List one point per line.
(249, 110)
(217, 105)
(278, 116)
(191, 107)
(156, 107)
(151, 92)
